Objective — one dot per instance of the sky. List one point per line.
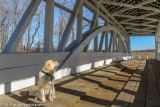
(137, 42)
(142, 42)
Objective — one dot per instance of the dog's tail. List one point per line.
(33, 93)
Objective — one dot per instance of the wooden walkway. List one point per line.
(134, 83)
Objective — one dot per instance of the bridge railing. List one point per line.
(18, 71)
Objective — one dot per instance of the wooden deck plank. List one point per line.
(139, 100)
(152, 97)
(157, 74)
(126, 95)
(80, 88)
(103, 96)
(139, 79)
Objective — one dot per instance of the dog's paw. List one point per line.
(50, 99)
(43, 100)
(54, 97)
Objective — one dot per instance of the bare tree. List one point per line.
(11, 14)
(60, 25)
(31, 38)
(3, 26)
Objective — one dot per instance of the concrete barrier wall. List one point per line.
(18, 71)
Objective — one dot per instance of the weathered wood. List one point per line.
(152, 97)
(110, 43)
(106, 42)
(140, 90)
(127, 92)
(70, 11)
(48, 29)
(101, 42)
(9, 61)
(105, 94)
(157, 74)
(119, 44)
(132, 6)
(79, 24)
(70, 23)
(21, 68)
(114, 42)
(96, 38)
(92, 27)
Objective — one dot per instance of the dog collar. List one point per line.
(47, 74)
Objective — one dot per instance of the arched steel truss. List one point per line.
(120, 47)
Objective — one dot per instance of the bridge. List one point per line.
(104, 77)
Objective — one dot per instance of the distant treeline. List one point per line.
(149, 50)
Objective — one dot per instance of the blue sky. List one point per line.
(142, 42)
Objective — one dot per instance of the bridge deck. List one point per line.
(134, 83)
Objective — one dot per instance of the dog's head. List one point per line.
(49, 66)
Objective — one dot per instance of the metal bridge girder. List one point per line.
(85, 42)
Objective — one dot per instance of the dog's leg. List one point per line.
(32, 93)
(52, 94)
(42, 93)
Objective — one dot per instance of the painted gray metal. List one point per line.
(110, 42)
(106, 42)
(81, 47)
(27, 66)
(92, 27)
(48, 29)
(101, 42)
(79, 24)
(70, 24)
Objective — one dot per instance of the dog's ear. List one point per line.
(55, 63)
(48, 67)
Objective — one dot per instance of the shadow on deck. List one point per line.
(134, 83)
